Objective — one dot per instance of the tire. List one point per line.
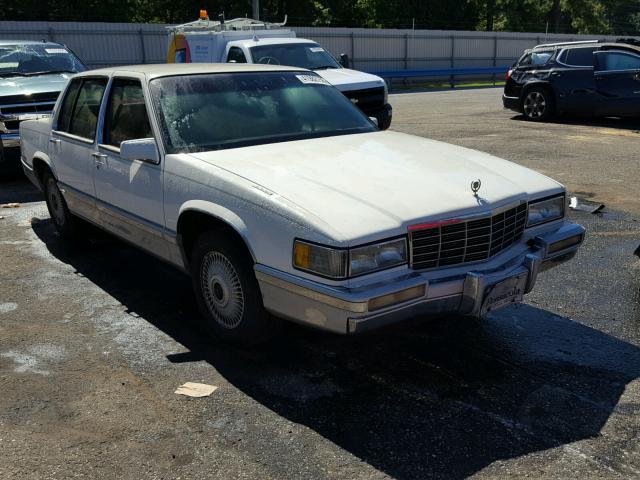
(227, 292)
(538, 104)
(64, 221)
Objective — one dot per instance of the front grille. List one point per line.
(15, 108)
(368, 99)
(466, 241)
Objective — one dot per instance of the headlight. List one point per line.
(386, 92)
(342, 263)
(542, 211)
(325, 261)
(379, 256)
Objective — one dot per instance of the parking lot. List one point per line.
(96, 338)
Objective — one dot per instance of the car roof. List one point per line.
(172, 69)
(600, 45)
(271, 41)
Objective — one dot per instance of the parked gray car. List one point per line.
(32, 74)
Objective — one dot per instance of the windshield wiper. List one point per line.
(12, 74)
(47, 72)
(324, 67)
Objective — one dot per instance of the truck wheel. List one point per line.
(228, 293)
(65, 222)
(538, 104)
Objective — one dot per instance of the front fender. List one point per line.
(220, 213)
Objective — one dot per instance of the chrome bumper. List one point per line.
(354, 310)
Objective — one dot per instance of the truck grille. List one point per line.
(466, 241)
(367, 99)
(15, 108)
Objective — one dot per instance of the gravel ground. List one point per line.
(95, 339)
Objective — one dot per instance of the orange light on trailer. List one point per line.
(204, 15)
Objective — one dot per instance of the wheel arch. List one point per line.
(541, 84)
(197, 217)
(41, 163)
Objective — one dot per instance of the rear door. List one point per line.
(617, 78)
(129, 192)
(72, 142)
(574, 82)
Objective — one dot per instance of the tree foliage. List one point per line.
(562, 16)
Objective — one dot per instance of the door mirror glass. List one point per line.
(344, 60)
(143, 149)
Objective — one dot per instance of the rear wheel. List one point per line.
(227, 291)
(538, 105)
(65, 222)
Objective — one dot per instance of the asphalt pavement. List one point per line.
(95, 338)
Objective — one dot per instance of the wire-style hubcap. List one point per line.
(55, 203)
(222, 289)
(535, 105)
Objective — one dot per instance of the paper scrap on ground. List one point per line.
(10, 205)
(191, 389)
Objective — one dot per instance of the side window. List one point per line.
(85, 112)
(579, 57)
(236, 55)
(126, 117)
(68, 103)
(619, 61)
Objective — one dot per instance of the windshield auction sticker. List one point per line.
(312, 79)
(55, 50)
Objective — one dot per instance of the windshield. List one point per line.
(303, 55)
(33, 59)
(217, 111)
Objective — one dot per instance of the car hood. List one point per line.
(361, 187)
(345, 79)
(10, 86)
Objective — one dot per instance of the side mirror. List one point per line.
(344, 60)
(374, 120)
(143, 149)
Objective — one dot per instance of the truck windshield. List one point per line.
(227, 110)
(36, 59)
(303, 55)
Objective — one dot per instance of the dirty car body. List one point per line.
(345, 228)
(586, 78)
(32, 74)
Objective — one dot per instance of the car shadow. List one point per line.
(16, 188)
(632, 124)
(443, 399)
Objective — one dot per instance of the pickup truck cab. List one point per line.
(31, 77)
(245, 40)
(282, 200)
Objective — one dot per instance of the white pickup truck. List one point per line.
(282, 200)
(244, 40)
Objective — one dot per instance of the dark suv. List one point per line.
(584, 78)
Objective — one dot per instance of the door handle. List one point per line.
(98, 159)
(55, 141)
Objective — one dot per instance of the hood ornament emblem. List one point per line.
(475, 187)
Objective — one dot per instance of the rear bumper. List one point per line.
(344, 310)
(511, 103)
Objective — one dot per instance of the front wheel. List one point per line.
(227, 291)
(538, 105)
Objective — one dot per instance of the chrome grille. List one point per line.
(456, 243)
(15, 108)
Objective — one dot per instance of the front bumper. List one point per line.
(354, 310)
(511, 103)
(9, 152)
(384, 115)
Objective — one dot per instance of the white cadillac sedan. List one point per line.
(282, 200)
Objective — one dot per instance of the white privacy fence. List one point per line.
(107, 44)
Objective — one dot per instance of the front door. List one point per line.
(618, 83)
(72, 143)
(129, 192)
